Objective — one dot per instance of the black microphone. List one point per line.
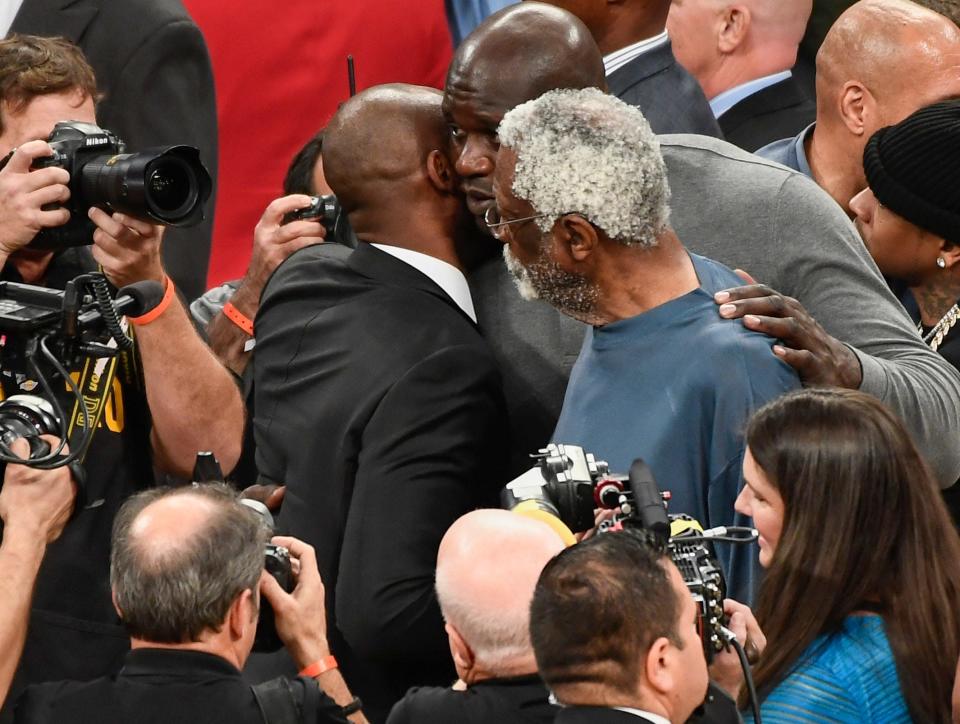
(133, 300)
(648, 501)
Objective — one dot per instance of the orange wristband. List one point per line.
(159, 309)
(238, 318)
(327, 663)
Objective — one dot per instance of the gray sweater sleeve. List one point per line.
(778, 225)
(826, 267)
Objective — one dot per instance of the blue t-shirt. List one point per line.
(676, 386)
(850, 676)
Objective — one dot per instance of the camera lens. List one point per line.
(171, 188)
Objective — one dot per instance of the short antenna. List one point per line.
(351, 76)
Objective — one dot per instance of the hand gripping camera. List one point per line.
(164, 185)
(326, 210)
(568, 484)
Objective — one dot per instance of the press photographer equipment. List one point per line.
(326, 210)
(164, 185)
(569, 484)
(277, 564)
(53, 329)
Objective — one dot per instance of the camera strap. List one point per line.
(278, 702)
(95, 384)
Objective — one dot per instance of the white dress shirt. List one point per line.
(8, 11)
(444, 275)
(619, 58)
(729, 98)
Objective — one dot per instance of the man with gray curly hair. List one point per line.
(581, 194)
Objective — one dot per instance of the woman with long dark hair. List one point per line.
(861, 600)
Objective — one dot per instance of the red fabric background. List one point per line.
(280, 72)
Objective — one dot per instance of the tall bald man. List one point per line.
(640, 65)
(487, 568)
(730, 206)
(881, 61)
(377, 402)
(742, 52)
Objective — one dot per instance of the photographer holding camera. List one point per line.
(615, 636)
(157, 404)
(187, 573)
(34, 506)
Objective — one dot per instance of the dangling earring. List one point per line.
(941, 262)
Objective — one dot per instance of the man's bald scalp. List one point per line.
(381, 136)
(881, 43)
(544, 48)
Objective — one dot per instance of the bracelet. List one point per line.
(238, 318)
(168, 294)
(327, 663)
(353, 707)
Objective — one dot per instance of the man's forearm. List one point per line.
(226, 339)
(194, 402)
(20, 556)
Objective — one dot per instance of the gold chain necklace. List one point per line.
(940, 330)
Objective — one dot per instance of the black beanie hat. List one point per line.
(913, 168)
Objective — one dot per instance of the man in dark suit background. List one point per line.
(377, 401)
(652, 669)
(640, 66)
(742, 54)
(153, 70)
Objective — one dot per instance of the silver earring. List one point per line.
(941, 262)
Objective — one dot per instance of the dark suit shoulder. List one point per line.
(777, 111)
(591, 714)
(508, 701)
(670, 98)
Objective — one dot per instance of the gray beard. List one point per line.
(544, 279)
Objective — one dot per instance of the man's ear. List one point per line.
(856, 105)
(577, 238)
(242, 614)
(658, 670)
(734, 26)
(463, 657)
(440, 172)
(116, 606)
(950, 253)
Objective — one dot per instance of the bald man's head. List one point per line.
(514, 56)
(180, 557)
(725, 43)
(376, 147)
(903, 55)
(487, 568)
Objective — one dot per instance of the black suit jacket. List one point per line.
(778, 111)
(153, 69)
(591, 714)
(518, 700)
(670, 98)
(379, 405)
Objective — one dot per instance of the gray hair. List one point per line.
(174, 595)
(587, 152)
(497, 636)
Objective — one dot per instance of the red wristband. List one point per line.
(159, 309)
(238, 318)
(327, 663)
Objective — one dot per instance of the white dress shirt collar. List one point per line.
(619, 58)
(444, 275)
(8, 12)
(655, 718)
(729, 98)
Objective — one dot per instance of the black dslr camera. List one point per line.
(326, 210)
(570, 484)
(277, 563)
(164, 185)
